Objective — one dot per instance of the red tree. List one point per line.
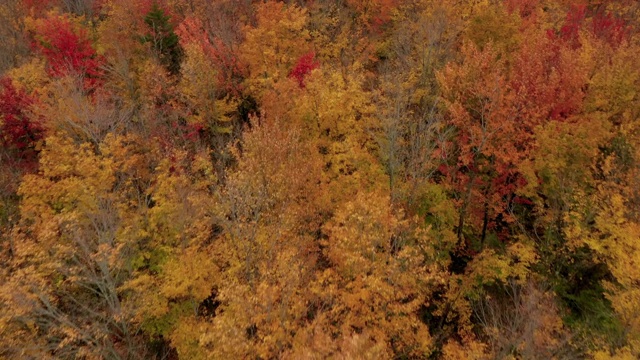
(303, 67)
(609, 27)
(68, 51)
(18, 132)
(601, 23)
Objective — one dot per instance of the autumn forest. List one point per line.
(319, 179)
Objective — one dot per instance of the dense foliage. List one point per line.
(306, 179)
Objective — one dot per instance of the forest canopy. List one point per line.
(311, 179)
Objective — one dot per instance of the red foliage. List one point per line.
(303, 67)
(611, 29)
(573, 22)
(547, 79)
(226, 61)
(603, 25)
(68, 51)
(18, 131)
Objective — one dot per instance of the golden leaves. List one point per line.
(272, 47)
(199, 88)
(378, 280)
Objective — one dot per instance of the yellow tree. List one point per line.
(206, 107)
(273, 46)
(269, 216)
(366, 300)
(175, 269)
(70, 260)
(582, 179)
(607, 220)
(198, 87)
(340, 115)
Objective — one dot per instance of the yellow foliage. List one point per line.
(342, 119)
(272, 47)
(374, 268)
(493, 25)
(470, 349)
(32, 76)
(198, 87)
(73, 247)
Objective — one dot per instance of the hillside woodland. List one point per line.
(311, 179)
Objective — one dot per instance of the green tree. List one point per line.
(163, 39)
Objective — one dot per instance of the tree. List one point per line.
(12, 15)
(163, 39)
(269, 214)
(219, 35)
(272, 47)
(70, 261)
(19, 131)
(66, 46)
(407, 97)
(176, 269)
(479, 166)
(366, 301)
(207, 106)
(303, 67)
